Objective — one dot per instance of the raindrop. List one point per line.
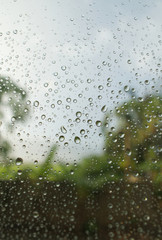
(128, 152)
(63, 68)
(19, 172)
(77, 140)
(15, 31)
(147, 82)
(19, 161)
(35, 214)
(121, 135)
(63, 129)
(89, 80)
(78, 114)
(82, 131)
(98, 123)
(52, 105)
(36, 103)
(71, 172)
(61, 138)
(126, 88)
(104, 109)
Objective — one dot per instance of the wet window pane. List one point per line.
(80, 120)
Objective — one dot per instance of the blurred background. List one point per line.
(80, 119)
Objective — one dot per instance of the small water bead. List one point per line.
(128, 152)
(63, 129)
(140, 99)
(89, 80)
(43, 116)
(36, 162)
(110, 205)
(71, 172)
(100, 87)
(68, 100)
(109, 80)
(55, 74)
(15, 31)
(77, 140)
(36, 103)
(19, 161)
(121, 135)
(104, 109)
(52, 105)
(147, 82)
(13, 119)
(59, 102)
(19, 172)
(126, 88)
(99, 97)
(63, 68)
(98, 123)
(61, 138)
(146, 217)
(35, 214)
(129, 61)
(78, 114)
(82, 131)
(77, 120)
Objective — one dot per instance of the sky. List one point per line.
(74, 57)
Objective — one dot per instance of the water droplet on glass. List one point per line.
(82, 131)
(36, 103)
(52, 105)
(19, 172)
(63, 68)
(104, 109)
(78, 114)
(35, 214)
(121, 135)
(15, 31)
(19, 161)
(89, 80)
(128, 152)
(13, 119)
(98, 123)
(126, 88)
(147, 82)
(61, 138)
(77, 140)
(63, 129)
(71, 172)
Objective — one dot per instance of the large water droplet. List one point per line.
(19, 161)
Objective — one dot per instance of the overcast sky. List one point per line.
(62, 53)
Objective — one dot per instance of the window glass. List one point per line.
(80, 120)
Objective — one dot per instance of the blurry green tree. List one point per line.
(136, 142)
(14, 97)
(132, 146)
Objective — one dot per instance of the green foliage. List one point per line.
(13, 97)
(132, 151)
